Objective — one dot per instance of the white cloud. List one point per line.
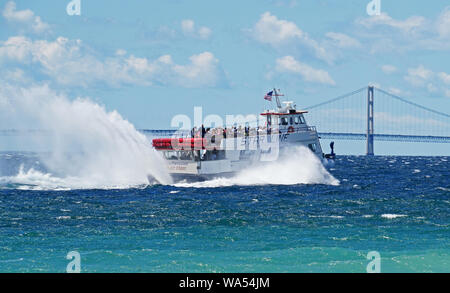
(11, 14)
(419, 76)
(289, 3)
(204, 32)
(396, 91)
(69, 62)
(26, 18)
(444, 77)
(15, 75)
(189, 29)
(269, 29)
(447, 93)
(202, 70)
(388, 69)
(421, 72)
(279, 33)
(16, 48)
(308, 73)
(443, 23)
(342, 40)
(432, 88)
(408, 25)
(385, 33)
(425, 78)
(121, 52)
(187, 26)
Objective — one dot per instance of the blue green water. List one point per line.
(398, 206)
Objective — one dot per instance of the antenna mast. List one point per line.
(278, 99)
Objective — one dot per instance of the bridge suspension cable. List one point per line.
(335, 99)
(412, 103)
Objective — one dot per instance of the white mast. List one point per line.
(278, 99)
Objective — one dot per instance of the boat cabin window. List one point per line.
(171, 155)
(179, 155)
(297, 120)
(213, 155)
(269, 120)
(186, 155)
(283, 121)
(312, 147)
(301, 119)
(291, 120)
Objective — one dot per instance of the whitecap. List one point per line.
(331, 216)
(63, 218)
(443, 188)
(392, 216)
(340, 239)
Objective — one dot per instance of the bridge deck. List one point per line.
(385, 137)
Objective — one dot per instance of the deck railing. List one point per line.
(161, 133)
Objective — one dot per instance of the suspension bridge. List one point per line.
(353, 116)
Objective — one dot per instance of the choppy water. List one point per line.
(398, 206)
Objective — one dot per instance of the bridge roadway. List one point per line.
(386, 137)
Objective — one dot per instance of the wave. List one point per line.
(393, 216)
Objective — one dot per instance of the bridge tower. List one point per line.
(370, 132)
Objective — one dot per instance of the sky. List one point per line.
(152, 60)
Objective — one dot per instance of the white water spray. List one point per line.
(89, 147)
(298, 165)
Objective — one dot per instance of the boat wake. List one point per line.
(297, 165)
(86, 146)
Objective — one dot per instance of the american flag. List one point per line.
(268, 96)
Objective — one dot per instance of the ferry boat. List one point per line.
(218, 152)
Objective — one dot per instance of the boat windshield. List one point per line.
(179, 155)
